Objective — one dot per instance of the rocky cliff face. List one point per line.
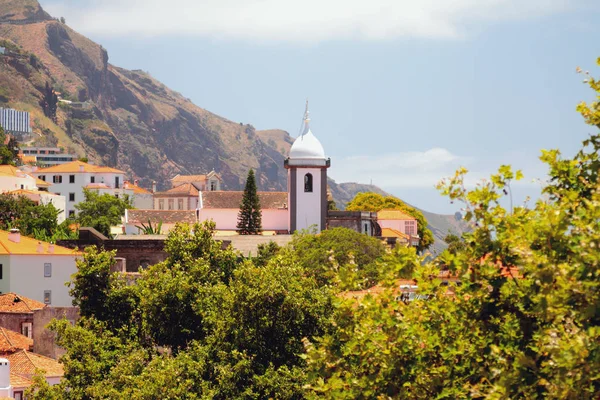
(123, 118)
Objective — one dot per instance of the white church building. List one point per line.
(304, 206)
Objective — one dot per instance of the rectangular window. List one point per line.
(116, 182)
(93, 179)
(161, 204)
(171, 204)
(117, 195)
(47, 270)
(71, 196)
(1, 271)
(47, 296)
(18, 394)
(57, 179)
(71, 178)
(26, 329)
(213, 186)
(180, 204)
(71, 213)
(43, 178)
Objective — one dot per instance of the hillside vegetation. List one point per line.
(119, 117)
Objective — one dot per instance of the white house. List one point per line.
(44, 197)
(36, 269)
(142, 199)
(71, 178)
(13, 178)
(207, 182)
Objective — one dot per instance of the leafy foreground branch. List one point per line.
(207, 323)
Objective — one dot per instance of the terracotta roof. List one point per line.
(75, 167)
(10, 170)
(32, 191)
(97, 186)
(389, 232)
(164, 216)
(505, 271)
(17, 381)
(222, 199)
(136, 189)
(394, 215)
(192, 178)
(30, 246)
(11, 341)
(41, 183)
(25, 363)
(14, 303)
(185, 189)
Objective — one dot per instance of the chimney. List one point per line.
(81, 167)
(153, 186)
(51, 248)
(14, 235)
(5, 387)
(40, 247)
(135, 182)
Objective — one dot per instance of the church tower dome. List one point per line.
(307, 181)
(307, 145)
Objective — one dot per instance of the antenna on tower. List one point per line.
(305, 120)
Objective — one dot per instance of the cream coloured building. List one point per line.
(35, 269)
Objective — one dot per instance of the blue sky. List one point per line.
(401, 92)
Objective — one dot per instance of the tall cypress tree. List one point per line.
(250, 216)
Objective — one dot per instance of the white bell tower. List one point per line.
(307, 180)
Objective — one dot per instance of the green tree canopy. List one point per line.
(250, 215)
(340, 256)
(101, 211)
(524, 323)
(369, 201)
(37, 220)
(8, 151)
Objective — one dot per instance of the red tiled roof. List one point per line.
(185, 189)
(390, 232)
(12, 341)
(136, 189)
(13, 303)
(222, 199)
(17, 381)
(25, 363)
(192, 178)
(97, 186)
(164, 216)
(76, 167)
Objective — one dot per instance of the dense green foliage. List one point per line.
(8, 151)
(523, 324)
(529, 332)
(250, 216)
(370, 201)
(205, 323)
(101, 211)
(340, 257)
(30, 218)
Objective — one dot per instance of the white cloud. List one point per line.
(416, 169)
(296, 21)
